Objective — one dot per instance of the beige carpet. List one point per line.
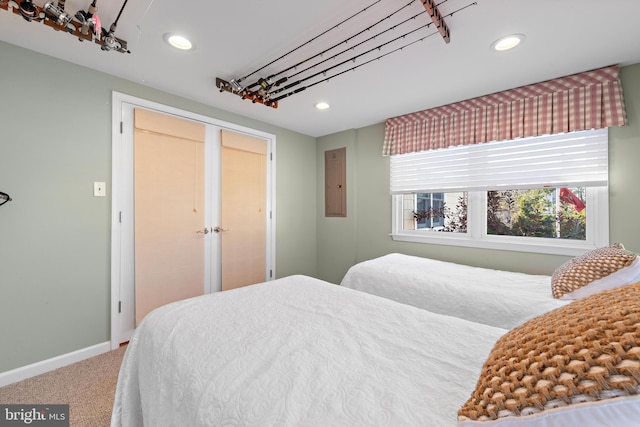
(87, 386)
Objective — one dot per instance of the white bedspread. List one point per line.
(298, 352)
(499, 298)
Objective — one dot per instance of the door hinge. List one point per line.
(271, 156)
(121, 127)
(119, 306)
(120, 217)
(271, 274)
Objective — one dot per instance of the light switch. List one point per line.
(99, 189)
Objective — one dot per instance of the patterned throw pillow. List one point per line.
(580, 271)
(586, 351)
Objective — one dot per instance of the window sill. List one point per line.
(505, 243)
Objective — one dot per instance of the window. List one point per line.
(544, 194)
(435, 211)
(541, 212)
(430, 206)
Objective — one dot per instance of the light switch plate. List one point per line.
(99, 189)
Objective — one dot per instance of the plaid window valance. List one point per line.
(589, 100)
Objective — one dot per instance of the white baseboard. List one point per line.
(28, 371)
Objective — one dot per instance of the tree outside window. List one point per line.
(544, 212)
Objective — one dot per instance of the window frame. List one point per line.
(597, 228)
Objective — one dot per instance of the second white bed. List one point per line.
(498, 298)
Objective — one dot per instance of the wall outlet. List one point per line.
(99, 189)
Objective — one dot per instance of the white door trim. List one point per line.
(120, 191)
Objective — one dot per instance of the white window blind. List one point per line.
(565, 160)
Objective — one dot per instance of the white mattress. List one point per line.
(298, 352)
(498, 298)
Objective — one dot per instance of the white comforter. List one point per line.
(498, 298)
(298, 352)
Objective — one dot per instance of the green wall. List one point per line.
(55, 141)
(365, 233)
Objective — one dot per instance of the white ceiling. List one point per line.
(235, 38)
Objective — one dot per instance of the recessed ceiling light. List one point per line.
(322, 105)
(507, 42)
(178, 41)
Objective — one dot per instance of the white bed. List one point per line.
(498, 298)
(298, 352)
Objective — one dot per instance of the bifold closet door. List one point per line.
(243, 213)
(169, 210)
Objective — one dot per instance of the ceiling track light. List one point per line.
(85, 25)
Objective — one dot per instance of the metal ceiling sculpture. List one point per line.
(272, 89)
(85, 25)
